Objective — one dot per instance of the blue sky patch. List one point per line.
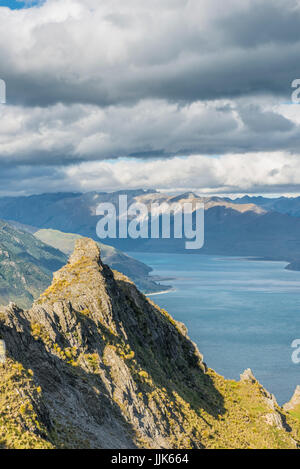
(18, 5)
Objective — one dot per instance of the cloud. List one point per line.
(64, 134)
(90, 81)
(113, 52)
(262, 172)
(232, 173)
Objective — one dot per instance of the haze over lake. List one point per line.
(241, 313)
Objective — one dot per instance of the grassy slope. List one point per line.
(20, 425)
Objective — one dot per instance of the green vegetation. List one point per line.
(20, 425)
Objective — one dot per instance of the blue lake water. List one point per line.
(241, 313)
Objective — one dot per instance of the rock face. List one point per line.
(247, 375)
(95, 364)
(85, 249)
(274, 418)
(294, 402)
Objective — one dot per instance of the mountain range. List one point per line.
(250, 226)
(288, 205)
(40, 231)
(95, 364)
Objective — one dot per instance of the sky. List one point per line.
(174, 95)
(19, 4)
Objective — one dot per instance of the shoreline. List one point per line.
(160, 292)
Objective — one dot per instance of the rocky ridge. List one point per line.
(96, 364)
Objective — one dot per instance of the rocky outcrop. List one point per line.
(294, 403)
(96, 364)
(274, 418)
(247, 375)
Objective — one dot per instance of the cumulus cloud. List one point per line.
(89, 81)
(262, 172)
(232, 173)
(64, 134)
(112, 52)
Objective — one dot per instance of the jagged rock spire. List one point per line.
(247, 375)
(85, 248)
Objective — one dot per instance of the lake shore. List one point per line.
(161, 292)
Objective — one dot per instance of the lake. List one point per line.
(241, 313)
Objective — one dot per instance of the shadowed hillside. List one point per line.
(26, 265)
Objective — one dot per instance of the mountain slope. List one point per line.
(68, 212)
(26, 265)
(76, 213)
(94, 363)
(232, 227)
(288, 205)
